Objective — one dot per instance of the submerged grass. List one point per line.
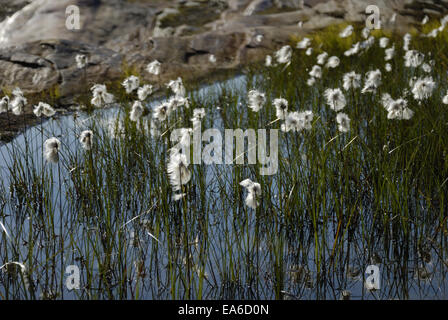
(339, 202)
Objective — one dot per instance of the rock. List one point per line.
(37, 51)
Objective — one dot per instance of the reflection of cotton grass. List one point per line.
(335, 99)
(351, 80)
(253, 192)
(51, 150)
(43, 109)
(212, 58)
(85, 139)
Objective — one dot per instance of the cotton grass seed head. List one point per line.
(43, 109)
(51, 150)
(335, 99)
(86, 138)
(256, 100)
(154, 67)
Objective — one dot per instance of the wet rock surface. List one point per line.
(37, 51)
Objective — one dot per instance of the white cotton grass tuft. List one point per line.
(343, 122)
(423, 88)
(253, 193)
(18, 102)
(335, 99)
(4, 104)
(426, 67)
(81, 61)
(51, 149)
(332, 62)
(353, 50)
(351, 80)
(131, 83)
(396, 109)
(347, 32)
(178, 171)
(445, 98)
(413, 58)
(177, 87)
(388, 67)
(322, 58)
(86, 139)
(389, 53)
(373, 81)
(154, 67)
(305, 43)
(43, 109)
(365, 32)
(406, 41)
(384, 42)
(198, 115)
(298, 121)
(256, 100)
(144, 92)
(137, 111)
(309, 51)
(212, 58)
(268, 61)
(281, 108)
(425, 20)
(162, 111)
(100, 96)
(311, 81)
(316, 72)
(283, 55)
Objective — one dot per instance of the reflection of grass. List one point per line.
(339, 202)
